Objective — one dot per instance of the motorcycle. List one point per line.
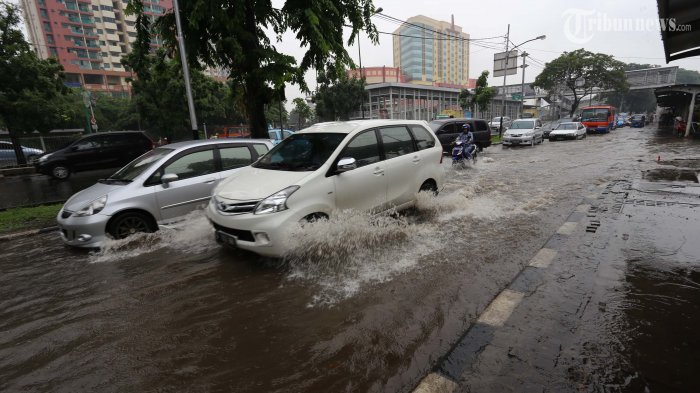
(460, 156)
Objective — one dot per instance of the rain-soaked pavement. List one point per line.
(374, 304)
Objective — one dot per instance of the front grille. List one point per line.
(238, 233)
(235, 208)
(65, 214)
(516, 135)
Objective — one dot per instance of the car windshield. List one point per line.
(301, 152)
(435, 125)
(496, 119)
(523, 125)
(597, 114)
(567, 126)
(637, 117)
(139, 165)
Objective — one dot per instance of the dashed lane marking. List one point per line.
(500, 308)
(543, 258)
(436, 383)
(567, 228)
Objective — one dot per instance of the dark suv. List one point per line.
(96, 151)
(448, 129)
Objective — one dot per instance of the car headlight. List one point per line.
(276, 202)
(93, 207)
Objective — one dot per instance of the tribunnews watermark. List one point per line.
(580, 26)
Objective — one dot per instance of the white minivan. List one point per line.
(368, 165)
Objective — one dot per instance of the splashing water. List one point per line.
(193, 234)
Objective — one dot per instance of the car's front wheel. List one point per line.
(129, 223)
(60, 172)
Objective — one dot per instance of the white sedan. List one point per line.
(568, 130)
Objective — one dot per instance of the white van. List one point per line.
(368, 165)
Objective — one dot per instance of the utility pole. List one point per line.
(505, 73)
(185, 71)
(522, 85)
(359, 55)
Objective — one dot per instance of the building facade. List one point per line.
(89, 38)
(382, 74)
(432, 52)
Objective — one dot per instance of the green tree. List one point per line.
(272, 113)
(302, 111)
(687, 76)
(31, 89)
(235, 35)
(336, 100)
(483, 93)
(465, 99)
(581, 72)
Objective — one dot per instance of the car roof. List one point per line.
(204, 142)
(527, 118)
(347, 127)
(455, 119)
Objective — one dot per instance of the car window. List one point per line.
(286, 134)
(363, 148)
(397, 141)
(5, 146)
(482, 126)
(87, 144)
(448, 128)
(235, 157)
(423, 138)
(260, 148)
(301, 152)
(272, 134)
(192, 165)
(113, 141)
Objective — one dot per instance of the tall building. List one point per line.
(432, 52)
(88, 37)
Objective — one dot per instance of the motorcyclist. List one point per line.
(467, 138)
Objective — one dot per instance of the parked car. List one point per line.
(524, 132)
(638, 121)
(554, 124)
(157, 188)
(95, 151)
(277, 135)
(447, 131)
(495, 123)
(9, 158)
(367, 165)
(568, 130)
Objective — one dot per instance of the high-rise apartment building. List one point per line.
(432, 52)
(88, 37)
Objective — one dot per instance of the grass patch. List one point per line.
(495, 138)
(25, 218)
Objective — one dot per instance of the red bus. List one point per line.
(599, 118)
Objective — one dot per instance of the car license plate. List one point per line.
(226, 238)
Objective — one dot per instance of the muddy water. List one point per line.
(361, 304)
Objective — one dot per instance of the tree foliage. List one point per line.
(580, 72)
(233, 35)
(337, 100)
(31, 89)
(483, 93)
(465, 99)
(302, 112)
(273, 111)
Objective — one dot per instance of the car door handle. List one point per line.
(378, 171)
(209, 181)
(416, 159)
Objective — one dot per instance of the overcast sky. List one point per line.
(557, 19)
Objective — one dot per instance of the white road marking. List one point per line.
(543, 258)
(435, 383)
(567, 228)
(583, 208)
(500, 308)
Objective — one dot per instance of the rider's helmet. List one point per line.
(465, 127)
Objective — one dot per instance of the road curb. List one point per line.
(444, 376)
(23, 234)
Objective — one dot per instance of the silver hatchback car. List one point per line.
(155, 189)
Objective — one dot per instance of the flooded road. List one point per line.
(363, 304)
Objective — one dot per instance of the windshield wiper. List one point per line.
(111, 180)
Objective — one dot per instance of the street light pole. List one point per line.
(505, 73)
(359, 56)
(185, 71)
(522, 85)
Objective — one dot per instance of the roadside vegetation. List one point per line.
(25, 218)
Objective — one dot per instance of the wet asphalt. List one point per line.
(367, 304)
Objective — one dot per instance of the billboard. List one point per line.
(499, 63)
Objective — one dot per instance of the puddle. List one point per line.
(669, 174)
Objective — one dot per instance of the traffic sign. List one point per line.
(517, 96)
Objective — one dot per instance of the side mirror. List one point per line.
(346, 164)
(168, 178)
(74, 148)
